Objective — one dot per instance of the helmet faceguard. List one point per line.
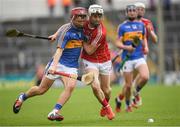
(130, 8)
(141, 9)
(95, 9)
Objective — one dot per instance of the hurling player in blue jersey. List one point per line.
(65, 59)
(128, 30)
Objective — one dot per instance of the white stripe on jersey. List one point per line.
(62, 32)
(98, 36)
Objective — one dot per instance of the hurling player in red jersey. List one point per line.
(96, 58)
(137, 101)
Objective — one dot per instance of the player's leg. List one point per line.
(45, 84)
(69, 85)
(104, 77)
(119, 99)
(142, 79)
(100, 95)
(105, 86)
(128, 77)
(135, 80)
(105, 70)
(95, 85)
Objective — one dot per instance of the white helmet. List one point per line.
(95, 9)
(139, 4)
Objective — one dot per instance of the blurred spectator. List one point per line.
(152, 5)
(89, 2)
(167, 4)
(109, 2)
(66, 5)
(39, 73)
(51, 5)
(77, 3)
(21, 59)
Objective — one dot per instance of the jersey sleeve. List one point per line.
(63, 38)
(120, 31)
(144, 31)
(151, 25)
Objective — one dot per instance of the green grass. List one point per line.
(159, 102)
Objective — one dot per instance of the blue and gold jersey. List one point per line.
(127, 31)
(70, 39)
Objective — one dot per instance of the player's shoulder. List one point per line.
(66, 26)
(145, 20)
(121, 25)
(139, 23)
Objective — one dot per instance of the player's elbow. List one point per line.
(155, 39)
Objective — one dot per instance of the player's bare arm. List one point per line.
(89, 48)
(145, 45)
(152, 33)
(57, 56)
(54, 36)
(119, 44)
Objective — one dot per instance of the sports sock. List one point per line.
(107, 99)
(58, 106)
(104, 102)
(138, 88)
(127, 103)
(23, 97)
(120, 97)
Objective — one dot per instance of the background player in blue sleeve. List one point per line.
(126, 32)
(65, 59)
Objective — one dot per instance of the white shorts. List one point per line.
(130, 65)
(60, 68)
(103, 68)
(145, 57)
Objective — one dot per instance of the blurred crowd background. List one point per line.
(25, 58)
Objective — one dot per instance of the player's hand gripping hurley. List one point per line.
(16, 33)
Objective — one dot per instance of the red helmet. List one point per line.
(78, 11)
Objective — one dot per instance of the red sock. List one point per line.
(107, 99)
(104, 102)
(121, 97)
(137, 98)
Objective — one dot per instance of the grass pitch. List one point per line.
(159, 102)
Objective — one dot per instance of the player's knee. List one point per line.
(128, 87)
(95, 87)
(107, 91)
(70, 87)
(42, 91)
(145, 77)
